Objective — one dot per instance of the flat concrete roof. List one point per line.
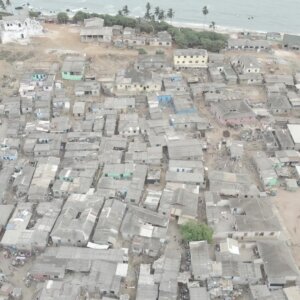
(295, 132)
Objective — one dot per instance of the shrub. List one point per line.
(193, 231)
(160, 52)
(80, 16)
(62, 18)
(34, 14)
(142, 51)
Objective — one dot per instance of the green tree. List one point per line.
(34, 14)
(62, 18)
(161, 15)
(147, 13)
(161, 26)
(148, 6)
(193, 231)
(80, 16)
(212, 25)
(146, 27)
(170, 14)
(120, 12)
(156, 11)
(191, 37)
(2, 5)
(125, 10)
(205, 11)
(159, 52)
(8, 3)
(142, 51)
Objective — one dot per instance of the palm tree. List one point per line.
(205, 11)
(156, 11)
(171, 14)
(161, 15)
(2, 5)
(212, 25)
(125, 10)
(148, 7)
(147, 13)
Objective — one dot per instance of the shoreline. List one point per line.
(219, 28)
(230, 30)
(195, 26)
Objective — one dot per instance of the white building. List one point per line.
(190, 58)
(294, 130)
(17, 28)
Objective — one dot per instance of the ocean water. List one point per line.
(259, 15)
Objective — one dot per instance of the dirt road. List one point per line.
(288, 205)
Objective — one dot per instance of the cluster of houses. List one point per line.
(95, 31)
(98, 175)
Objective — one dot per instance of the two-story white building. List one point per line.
(18, 27)
(190, 58)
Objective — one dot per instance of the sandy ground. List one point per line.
(16, 275)
(59, 41)
(288, 205)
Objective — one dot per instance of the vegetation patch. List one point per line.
(193, 231)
